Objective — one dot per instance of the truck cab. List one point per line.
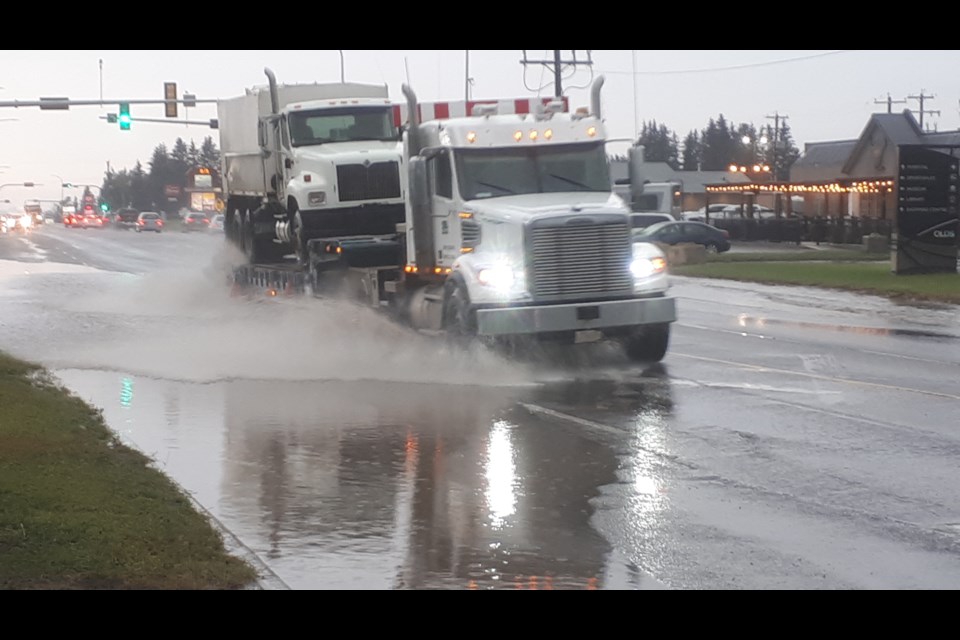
(340, 167)
(515, 213)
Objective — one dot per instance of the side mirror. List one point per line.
(419, 189)
(288, 163)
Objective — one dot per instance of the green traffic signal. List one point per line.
(124, 119)
(104, 207)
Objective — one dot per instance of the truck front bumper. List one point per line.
(596, 316)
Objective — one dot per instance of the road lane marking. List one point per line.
(816, 376)
(605, 428)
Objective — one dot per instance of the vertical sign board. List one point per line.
(927, 210)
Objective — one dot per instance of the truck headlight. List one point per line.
(500, 277)
(648, 260)
(316, 198)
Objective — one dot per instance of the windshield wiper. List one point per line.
(575, 183)
(495, 186)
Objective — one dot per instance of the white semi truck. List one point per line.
(511, 229)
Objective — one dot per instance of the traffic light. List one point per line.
(104, 207)
(124, 118)
(170, 95)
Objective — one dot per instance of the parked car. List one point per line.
(216, 223)
(644, 220)
(149, 221)
(195, 221)
(713, 239)
(699, 214)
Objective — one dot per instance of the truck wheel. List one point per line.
(459, 322)
(299, 238)
(648, 344)
(247, 243)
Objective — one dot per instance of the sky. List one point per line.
(823, 94)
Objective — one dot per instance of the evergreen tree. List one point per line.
(659, 144)
(785, 153)
(140, 189)
(692, 151)
(209, 154)
(719, 146)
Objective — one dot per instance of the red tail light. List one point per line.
(159, 223)
(726, 234)
(140, 222)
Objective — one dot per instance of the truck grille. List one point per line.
(469, 234)
(585, 260)
(368, 182)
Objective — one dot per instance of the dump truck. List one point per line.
(305, 161)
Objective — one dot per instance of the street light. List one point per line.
(341, 65)
(756, 169)
(21, 184)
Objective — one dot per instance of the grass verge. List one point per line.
(862, 277)
(802, 255)
(80, 510)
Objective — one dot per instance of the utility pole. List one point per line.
(466, 75)
(557, 64)
(921, 98)
(636, 120)
(890, 102)
(776, 117)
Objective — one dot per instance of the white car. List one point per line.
(149, 221)
(644, 220)
(216, 223)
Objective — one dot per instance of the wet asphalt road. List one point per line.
(792, 438)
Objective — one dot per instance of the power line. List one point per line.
(890, 102)
(558, 66)
(922, 111)
(734, 67)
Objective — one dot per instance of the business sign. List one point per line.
(928, 181)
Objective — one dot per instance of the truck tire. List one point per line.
(648, 344)
(257, 249)
(459, 320)
(298, 236)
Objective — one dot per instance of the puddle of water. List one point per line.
(372, 485)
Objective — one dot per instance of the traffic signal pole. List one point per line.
(63, 104)
(124, 119)
(213, 123)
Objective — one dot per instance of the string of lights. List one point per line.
(860, 186)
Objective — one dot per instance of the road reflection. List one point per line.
(376, 485)
(426, 487)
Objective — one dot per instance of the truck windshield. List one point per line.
(342, 124)
(491, 173)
